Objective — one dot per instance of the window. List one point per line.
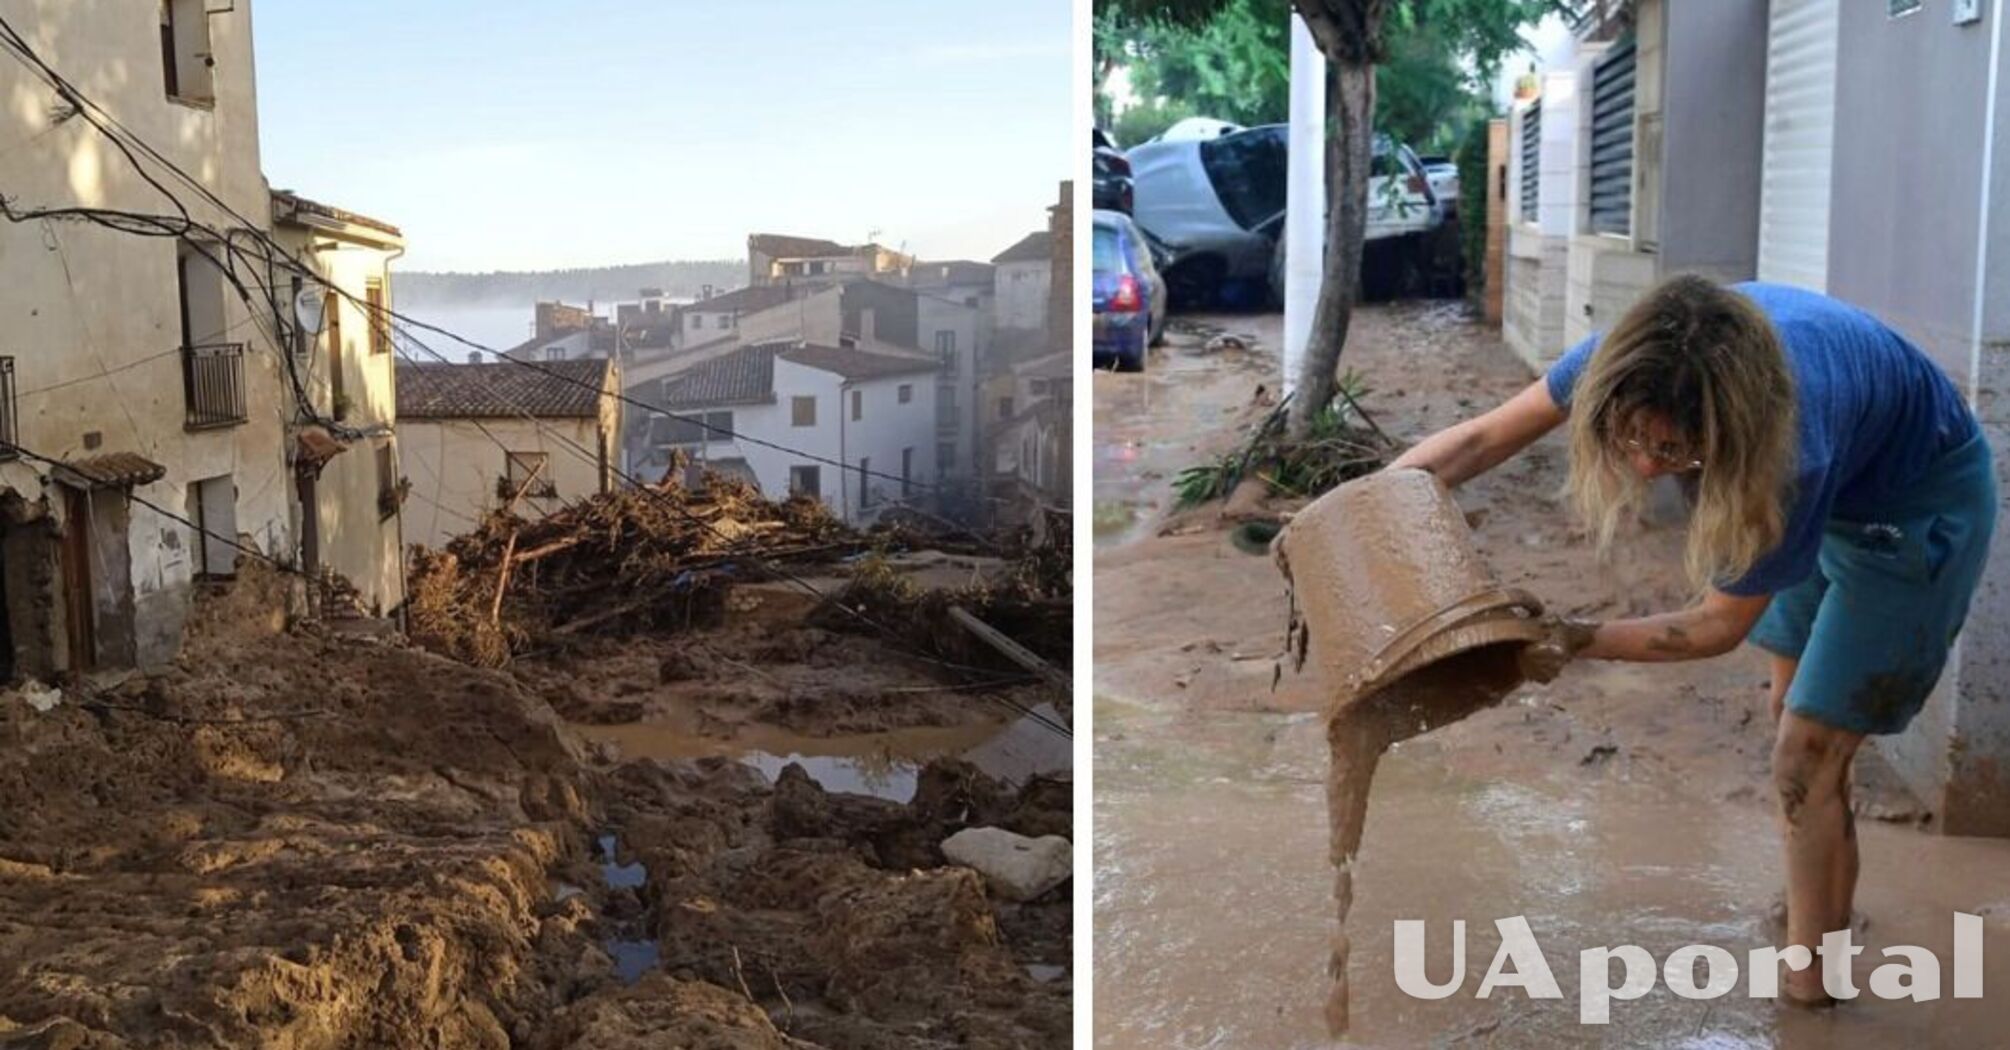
(1247, 170)
(10, 432)
(693, 429)
(1004, 408)
(945, 347)
(298, 330)
(864, 482)
(697, 321)
(185, 52)
(806, 481)
(945, 454)
(906, 392)
(389, 493)
(1531, 159)
(802, 411)
(906, 472)
(1612, 141)
(529, 474)
(1039, 387)
(857, 405)
(380, 321)
(338, 395)
(554, 353)
(213, 506)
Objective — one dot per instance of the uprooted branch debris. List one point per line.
(661, 558)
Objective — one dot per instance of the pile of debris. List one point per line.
(663, 557)
(625, 560)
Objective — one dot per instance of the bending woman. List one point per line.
(1842, 500)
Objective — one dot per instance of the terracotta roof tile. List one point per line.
(501, 390)
(744, 377)
(111, 470)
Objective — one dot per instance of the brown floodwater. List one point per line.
(1214, 919)
(884, 764)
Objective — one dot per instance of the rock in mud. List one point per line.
(1014, 866)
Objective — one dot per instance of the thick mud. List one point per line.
(311, 838)
(1617, 805)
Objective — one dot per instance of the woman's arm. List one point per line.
(1466, 450)
(1710, 628)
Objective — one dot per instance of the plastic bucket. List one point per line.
(1386, 582)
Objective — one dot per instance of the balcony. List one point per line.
(213, 385)
(948, 419)
(10, 427)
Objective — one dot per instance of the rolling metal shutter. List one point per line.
(1612, 141)
(1799, 144)
(1531, 159)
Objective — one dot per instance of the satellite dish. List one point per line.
(310, 309)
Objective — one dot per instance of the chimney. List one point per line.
(474, 357)
(704, 293)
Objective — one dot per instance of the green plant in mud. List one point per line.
(1344, 443)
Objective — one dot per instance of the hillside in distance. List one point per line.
(603, 284)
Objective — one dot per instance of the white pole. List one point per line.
(1304, 198)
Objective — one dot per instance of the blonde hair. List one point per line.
(1708, 361)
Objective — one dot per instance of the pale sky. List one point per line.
(533, 134)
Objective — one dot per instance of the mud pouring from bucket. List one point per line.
(1392, 606)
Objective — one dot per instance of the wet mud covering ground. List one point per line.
(1620, 804)
(312, 837)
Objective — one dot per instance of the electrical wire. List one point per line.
(147, 225)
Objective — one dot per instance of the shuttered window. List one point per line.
(1612, 141)
(1531, 159)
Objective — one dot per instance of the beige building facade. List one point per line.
(144, 392)
(346, 479)
(468, 448)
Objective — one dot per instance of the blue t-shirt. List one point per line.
(1875, 413)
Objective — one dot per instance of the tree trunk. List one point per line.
(1350, 109)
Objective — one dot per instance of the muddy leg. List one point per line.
(1358, 737)
(1811, 764)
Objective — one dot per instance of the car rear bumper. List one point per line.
(1119, 335)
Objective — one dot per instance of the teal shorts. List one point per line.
(1873, 625)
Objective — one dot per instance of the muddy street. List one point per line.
(744, 824)
(1618, 805)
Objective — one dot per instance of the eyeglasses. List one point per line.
(1666, 453)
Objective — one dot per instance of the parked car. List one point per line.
(1193, 129)
(1215, 203)
(1113, 173)
(1128, 293)
(1443, 175)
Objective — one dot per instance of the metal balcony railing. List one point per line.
(213, 385)
(10, 416)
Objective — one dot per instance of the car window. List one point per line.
(1384, 164)
(1109, 251)
(1248, 171)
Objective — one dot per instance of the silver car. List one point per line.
(1215, 204)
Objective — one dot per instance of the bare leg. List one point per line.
(1811, 764)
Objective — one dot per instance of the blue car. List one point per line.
(1129, 294)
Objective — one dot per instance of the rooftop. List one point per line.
(747, 376)
(1037, 246)
(289, 206)
(749, 299)
(502, 390)
(782, 245)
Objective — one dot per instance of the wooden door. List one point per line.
(76, 557)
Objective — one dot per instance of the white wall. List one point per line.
(885, 428)
(935, 315)
(1022, 293)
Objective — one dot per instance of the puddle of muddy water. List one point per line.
(884, 765)
(634, 952)
(1213, 898)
